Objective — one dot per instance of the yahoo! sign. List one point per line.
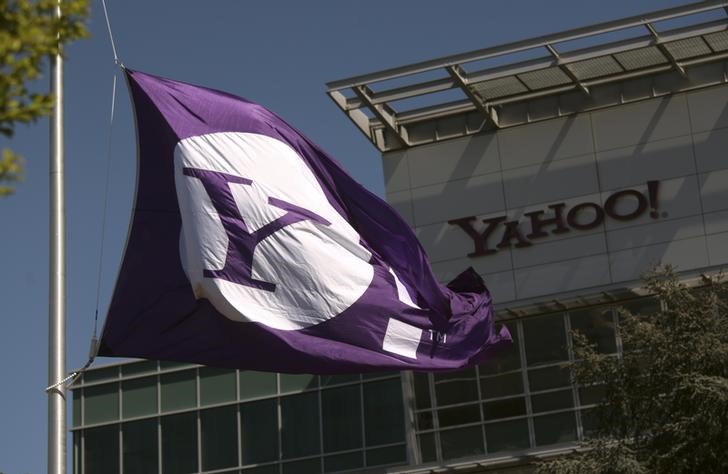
(583, 216)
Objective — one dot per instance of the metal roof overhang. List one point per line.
(555, 69)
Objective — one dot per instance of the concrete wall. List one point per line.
(680, 141)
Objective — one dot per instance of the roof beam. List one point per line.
(384, 113)
(491, 115)
(566, 69)
(665, 52)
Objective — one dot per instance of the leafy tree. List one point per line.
(665, 406)
(29, 34)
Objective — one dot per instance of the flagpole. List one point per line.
(57, 284)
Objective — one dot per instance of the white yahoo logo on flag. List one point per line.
(248, 244)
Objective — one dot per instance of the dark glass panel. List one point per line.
(426, 443)
(501, 385)
(178, 390)
(343, 462)
(300, 425)
(459, 415)
(297, 382)
(101, 450)
(308, 466)
(341, 411)
(219, 430)
(424, 420)
(101, 403)
(101, 374)
(592, 395)
(383, 412)
(259, 431)
(462, 442)
(179, 443)
(216, 385)
(388, 455)
(549, 377)
(140, 447)
(556, 428)
(139, 397)
(77, 400)
(456, 387)
(552, 401)
(545, 339)
(257, 384)
(329, 380)
(504, 408)
(140, 367)
(422, 390)
(507, 435)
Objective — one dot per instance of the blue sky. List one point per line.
(278, 53)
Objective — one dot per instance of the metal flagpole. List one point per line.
(57, 284)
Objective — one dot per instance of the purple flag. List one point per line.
(251, 248)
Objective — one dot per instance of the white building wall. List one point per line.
(680, 141)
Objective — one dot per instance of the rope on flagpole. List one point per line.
(111, 35)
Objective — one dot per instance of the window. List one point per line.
(179, 390)
(139, 397)
(101, 450)
(101, 403)
(216, 385)
(380, 397)
(219, 431)
(139, 440)
(300, 425)
(179, 443)
(259, 431)
(342, 421)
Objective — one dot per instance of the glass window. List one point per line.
(257, 384)
(77, 407)
(597, 325)
(461, 415)
(505, 360)
(216, 385)
(552, 401)
(341, 411)
(328, 380)
(140, 367)
(98, 375)
(424, 420)
(642, 306)
(179, 443)
(422, 390)
(388, 455)
(456, 387)
(504, 408)
(77, 458)
(501, 385)
(343, 462)
(545, 339)
(139, 397)
(297, 382)
(309, 466)
(219, 431)
(101, 450)
(507, 435)
(556, 428)
(101, 403)
(462, 442)
(259, 431)
(300, 425)
(383, 412)
(179, 390)
(426, 442)
(139, 440)
(549, 377)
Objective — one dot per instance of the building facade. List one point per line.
(561, 173)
